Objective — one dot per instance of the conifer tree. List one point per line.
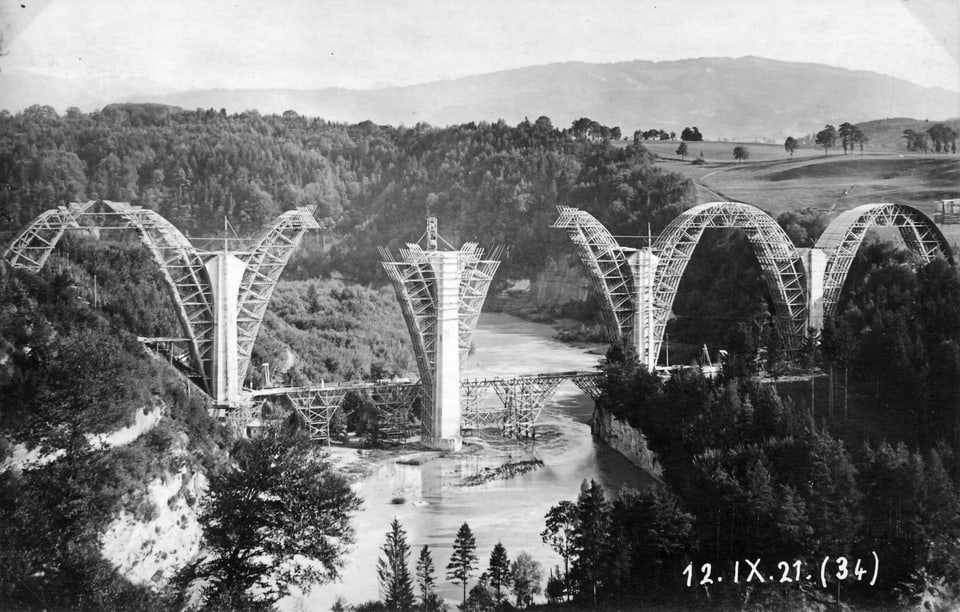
(499, 569)
(592, 538)
(464, 558)
(425, 577)
(395, 583)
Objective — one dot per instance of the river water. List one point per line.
(436, 501)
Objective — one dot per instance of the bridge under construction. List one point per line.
(221, 296)
(636, 287)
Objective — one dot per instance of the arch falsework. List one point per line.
(200, 303)
(805, 284)
(636, 288)
(182, 268)
(779, 259)
(607, 266)
(263, 267)
(843, 237)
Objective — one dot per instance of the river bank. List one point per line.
(502, 488)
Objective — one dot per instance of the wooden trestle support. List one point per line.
(316, 406)
(522, 399)
(394, 402)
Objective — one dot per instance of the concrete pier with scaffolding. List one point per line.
(636, 288)
(441, 292)
(220, 295)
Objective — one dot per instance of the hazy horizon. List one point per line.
(361, 44)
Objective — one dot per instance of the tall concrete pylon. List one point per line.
(220, 296)
(441, 293)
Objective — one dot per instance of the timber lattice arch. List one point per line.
(636, 288)
(220, 296)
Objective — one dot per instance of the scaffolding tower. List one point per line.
(441, 293)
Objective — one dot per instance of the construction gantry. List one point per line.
(441, 293)
(220, 296)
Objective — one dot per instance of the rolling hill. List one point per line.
(746, 98)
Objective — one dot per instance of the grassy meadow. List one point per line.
(719, 152)
(832, 183)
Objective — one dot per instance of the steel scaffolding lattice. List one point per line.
(843, 237)
(779, 260)
(608, 268)
(476, 275)
(415, 285)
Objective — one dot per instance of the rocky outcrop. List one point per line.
(145, 419)
(151, 551)
(562, 280)
(626, 440)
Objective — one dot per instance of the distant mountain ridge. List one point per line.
(744, 98)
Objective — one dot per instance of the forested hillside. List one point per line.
(372, 185)
(70, 378)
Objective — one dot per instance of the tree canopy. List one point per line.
(279, 518)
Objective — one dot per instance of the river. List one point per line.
(435, 500)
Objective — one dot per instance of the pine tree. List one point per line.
(425, 577)
(592, 538)
(499, 569)
(464, 558)
(395, 583)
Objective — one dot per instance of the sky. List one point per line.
(310, 44)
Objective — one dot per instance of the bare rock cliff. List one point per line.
(626, 440)
(562, 280)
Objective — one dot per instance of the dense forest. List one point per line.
(372, 185)
(761, 476)
(748, 476)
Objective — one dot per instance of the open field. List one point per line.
(833, 183)
(840, 182)
(723, 151)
